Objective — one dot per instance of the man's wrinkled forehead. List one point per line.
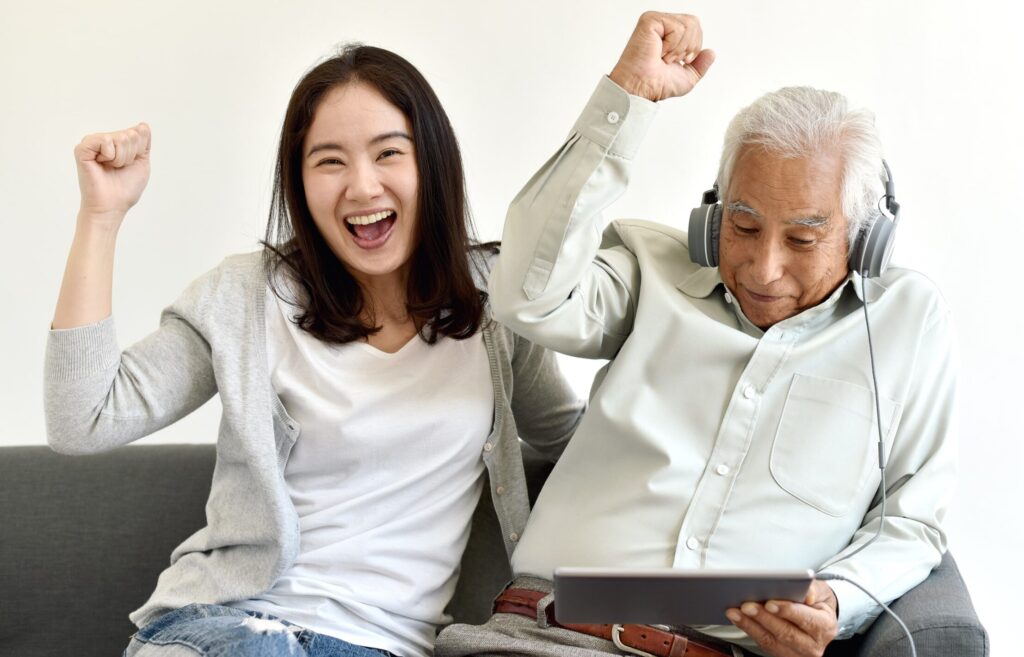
(802, 191)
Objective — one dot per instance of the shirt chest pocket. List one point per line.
(825, 446)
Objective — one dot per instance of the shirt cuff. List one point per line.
(80, 352)
(615, 120)
(856, 608)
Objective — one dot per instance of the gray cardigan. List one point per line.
(213, 340)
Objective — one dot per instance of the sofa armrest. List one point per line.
(939, 614)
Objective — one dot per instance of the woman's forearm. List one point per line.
(86, 290)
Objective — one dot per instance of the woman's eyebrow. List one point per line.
(384, 136)
(390, 135)
(324, 146)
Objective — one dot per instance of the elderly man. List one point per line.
(735, 424)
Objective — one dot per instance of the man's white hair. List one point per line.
(797, 122)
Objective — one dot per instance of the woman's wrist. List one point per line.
(98, 225)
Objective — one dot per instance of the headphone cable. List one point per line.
(878, 415)
(881, 467)
(910, 638)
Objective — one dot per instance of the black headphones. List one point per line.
(869, 256)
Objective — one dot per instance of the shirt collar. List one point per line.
(701, 283)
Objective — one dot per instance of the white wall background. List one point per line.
(213, 80)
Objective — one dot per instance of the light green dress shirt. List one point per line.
(708, 442)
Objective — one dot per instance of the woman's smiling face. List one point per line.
(361, 181)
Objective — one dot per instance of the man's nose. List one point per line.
(364, 183)
(768, 264)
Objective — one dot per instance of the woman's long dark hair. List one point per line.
(441, 296)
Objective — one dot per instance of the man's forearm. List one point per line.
(547, 284)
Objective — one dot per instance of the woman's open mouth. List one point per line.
(371, 231)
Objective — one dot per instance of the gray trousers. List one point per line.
(505, 635)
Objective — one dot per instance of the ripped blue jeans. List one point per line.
(216, 631)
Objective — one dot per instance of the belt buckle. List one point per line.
(616, 631)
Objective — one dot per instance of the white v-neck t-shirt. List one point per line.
(385, 476)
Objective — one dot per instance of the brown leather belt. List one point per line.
(636, 639)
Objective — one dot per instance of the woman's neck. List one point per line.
(386, 306)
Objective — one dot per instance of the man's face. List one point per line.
(783, 245)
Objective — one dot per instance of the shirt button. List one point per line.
(488, 447)
(692, 543)
(722, 469)
(613, 117)
(500, 490)
(728, 298)
(514, 536)
(749, 392)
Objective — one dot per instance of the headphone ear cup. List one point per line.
(704, 230)
(714, 232)
(871, 252)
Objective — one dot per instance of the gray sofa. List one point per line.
(84, 538)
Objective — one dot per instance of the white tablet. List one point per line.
(668, 596)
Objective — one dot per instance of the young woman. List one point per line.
(365, 390)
